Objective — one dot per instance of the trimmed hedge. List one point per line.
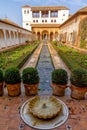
(30, 76)
(12, 75)
(17, 56)
(71, 57)
(79, 77)
(59, 76)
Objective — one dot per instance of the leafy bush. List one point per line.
(72, 57)
(55, 42)
(79, 77)
(30, 75)
(59, 76)
(1, 76)
(12, 75)
(17, 56)
(36, 42)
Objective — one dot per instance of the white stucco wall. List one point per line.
(28, 19)
(70, 27)
(12, 35)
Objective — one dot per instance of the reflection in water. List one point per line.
(45, 67)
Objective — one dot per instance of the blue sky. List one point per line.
(12, 8)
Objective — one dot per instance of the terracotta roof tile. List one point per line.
(9, 21)
(48, 8)
(84, 9)
(38, 8)
(25, 6)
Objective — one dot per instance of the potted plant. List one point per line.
(59, 81)
(13, 81)
(1, 82)
(30, 79)
(79, 83)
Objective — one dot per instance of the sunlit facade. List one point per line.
(44, 21)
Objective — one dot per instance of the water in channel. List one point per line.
(45, 68)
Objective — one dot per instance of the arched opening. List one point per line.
(15, 34)
(1, 34)
(7, 34)
(19, 37)
(38, 35)
(51, 36)
(45, 35)
(2, 38)
(12, 34)
(56, 35)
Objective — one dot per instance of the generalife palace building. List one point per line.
(55, 23)
(46, 22)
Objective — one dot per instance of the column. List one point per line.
(40, 13)
(4, 40)
(49, 13)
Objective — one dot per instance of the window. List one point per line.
(33, 21)
(54, 14)
(44, 14)
(54, 20)
(24, 11)
(26, 23)
(35, 14)
(51, 21)
(37, 21)
(27, 11)
(45, 21)
(42, 21)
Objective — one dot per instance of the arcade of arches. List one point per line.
(46, 33)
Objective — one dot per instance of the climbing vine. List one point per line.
(83, 33)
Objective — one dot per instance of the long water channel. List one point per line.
(45, 68)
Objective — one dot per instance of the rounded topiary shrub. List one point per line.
(12, 76)
(79, 77)
(1, 76)
(59, 76)
(30, 75)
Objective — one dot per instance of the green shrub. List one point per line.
(16, 56)
(83, 33)
(72, 57)
(79, 77)
(54, 42)
(12, 75)
(59, 76)
(1, 76)
(36, 42)
(30, 75)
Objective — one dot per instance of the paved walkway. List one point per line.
(32, 62)
(10, 111)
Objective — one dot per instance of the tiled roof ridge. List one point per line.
(43, 7)
(9, 21)
(83, 9)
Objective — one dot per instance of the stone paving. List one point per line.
(10, 110)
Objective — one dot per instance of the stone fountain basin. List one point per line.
(40, 123)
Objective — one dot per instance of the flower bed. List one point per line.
(71, 57)
(17, 56)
